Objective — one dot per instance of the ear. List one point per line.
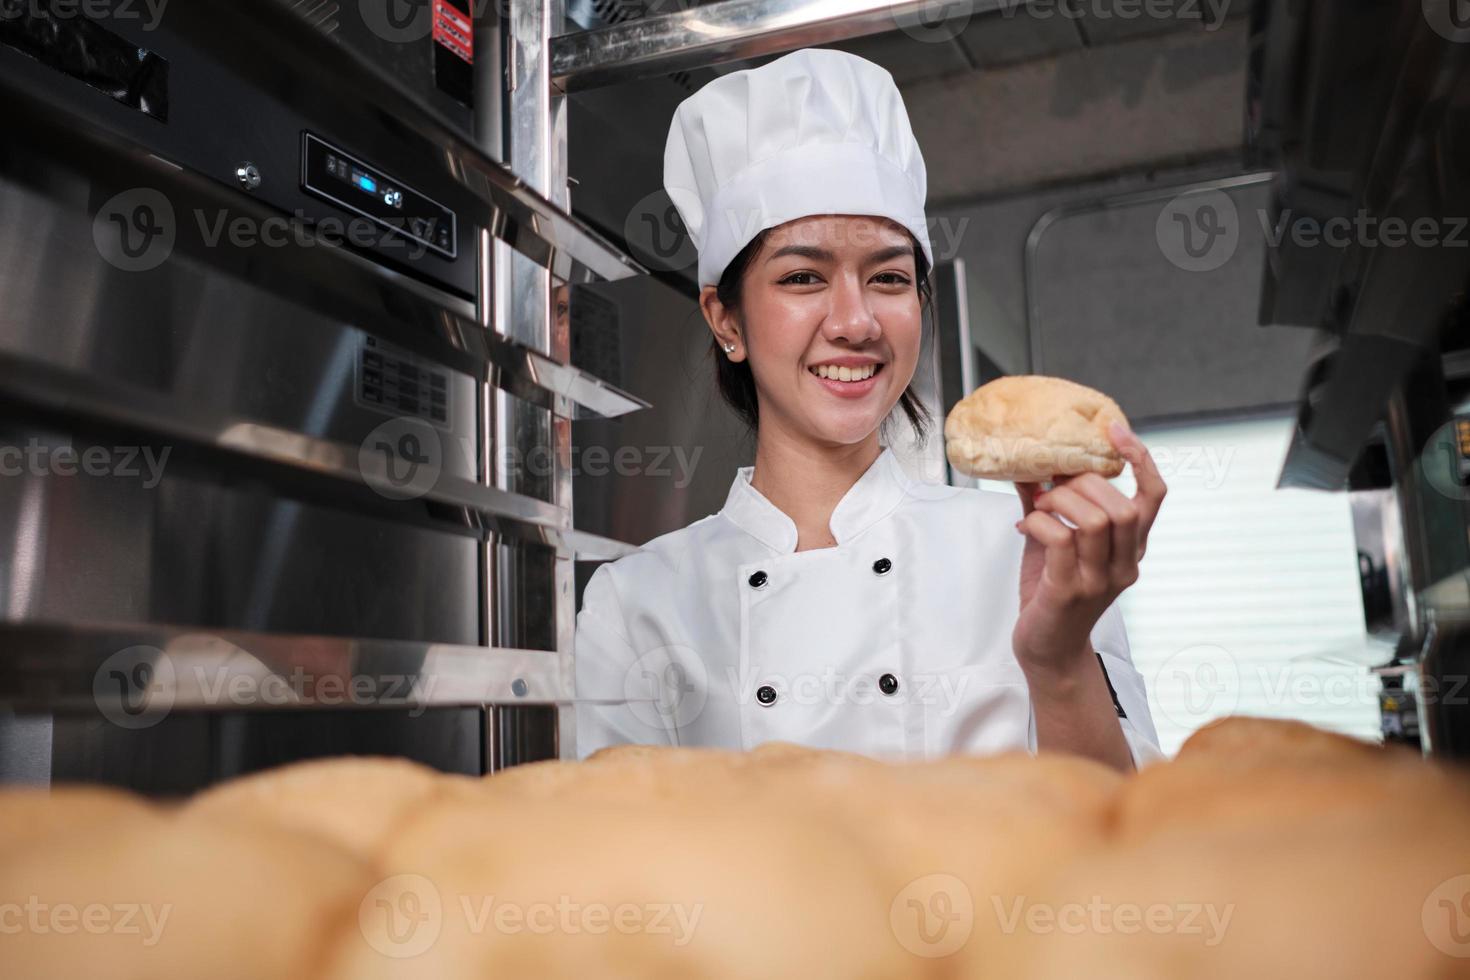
(722, 320)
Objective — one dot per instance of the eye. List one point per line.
(799, 279)
(893, 279)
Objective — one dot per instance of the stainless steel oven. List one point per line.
(253, 386)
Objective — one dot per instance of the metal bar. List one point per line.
(134, 674)
(532, 594)
(730, 30)
(368, 476)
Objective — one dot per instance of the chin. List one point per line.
(847, 431)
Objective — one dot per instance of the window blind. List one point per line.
(1248, 600)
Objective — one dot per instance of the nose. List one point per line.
(849, 315)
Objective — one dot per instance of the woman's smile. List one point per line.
(845, 382)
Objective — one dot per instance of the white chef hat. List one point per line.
(816, 131)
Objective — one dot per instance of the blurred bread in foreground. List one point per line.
(1031, 428)
(1265, 848)
(29, 815)
(178, 899)
(713, 887)
(1241, 773)
(355, 802)
(1304, 899)
(1245, 740)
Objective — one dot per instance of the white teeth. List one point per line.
(845, 373)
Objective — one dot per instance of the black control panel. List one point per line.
(394, 381)
(347, 181)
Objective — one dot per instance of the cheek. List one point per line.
(904, 325)
(780, 328)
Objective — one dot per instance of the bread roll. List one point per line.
(1030, 428)
(710, 889)
(30, 815)
(354, 802)
(1244, 740)
(651, 774)
(1256, 772)
(177, 899)
(1303, 899)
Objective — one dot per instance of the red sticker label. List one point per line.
(453, 30)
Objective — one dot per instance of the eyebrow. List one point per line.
(824, 255)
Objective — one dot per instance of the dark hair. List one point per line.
(737, 382)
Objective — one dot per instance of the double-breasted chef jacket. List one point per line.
(895, 642)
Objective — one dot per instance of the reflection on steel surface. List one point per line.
(74, 399)
(734, 30)
(135, 675)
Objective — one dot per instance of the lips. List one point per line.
(849, 389)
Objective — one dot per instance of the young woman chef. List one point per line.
(834, 601)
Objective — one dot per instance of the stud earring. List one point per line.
(729, 348)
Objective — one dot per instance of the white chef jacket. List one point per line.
(896, 642)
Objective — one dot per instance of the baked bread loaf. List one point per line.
(1241, 773)
(29, 815)
(1304, 898)
(1265, 848)
(1030, 428)
(718, 888)
(177, 899)
(355, 802)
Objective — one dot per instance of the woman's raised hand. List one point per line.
(1071, 574)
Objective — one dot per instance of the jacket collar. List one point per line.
(867, 501)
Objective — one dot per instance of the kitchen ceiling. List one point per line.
(1003, 103)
